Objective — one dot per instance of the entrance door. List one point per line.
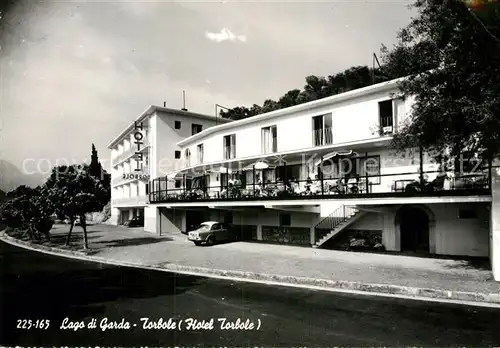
(414, 227)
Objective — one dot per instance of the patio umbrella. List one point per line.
(171, 177)
(334, 154)
(261, 165)
(221, 169)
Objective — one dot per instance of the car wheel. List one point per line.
(210, 240)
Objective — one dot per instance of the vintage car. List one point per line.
(211, 232)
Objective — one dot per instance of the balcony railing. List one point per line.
(229, 152)
(407, 184)
(386, 124)
(323, 136)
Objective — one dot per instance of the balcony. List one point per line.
(386, 125)
(130, 201)
(405, 184)
(131, 152)
(322, 136)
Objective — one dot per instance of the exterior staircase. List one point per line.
(334, 223)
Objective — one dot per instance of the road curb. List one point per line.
(11, 240)
(339, 285)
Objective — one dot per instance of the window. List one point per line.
(229, 146)
(322, 130)
(147, 189)
(285, 220)
(178, 183)
(177, 124)
(269, 139)
(385, 110)
(196, 128)
(187, 156)
(216, 227)
(177, 154)
(200, 153)
(370, 167)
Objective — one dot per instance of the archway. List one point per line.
(415, 225)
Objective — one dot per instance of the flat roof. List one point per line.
(152, 109)
(285, 111)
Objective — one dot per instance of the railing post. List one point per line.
(184, 178)
(366, 172)
(321, 177)
(253, 180)
(166, 187)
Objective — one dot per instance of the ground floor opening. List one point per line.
(414, 229)
(125, 214)
(455, 229)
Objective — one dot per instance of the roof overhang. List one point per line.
(154, 108)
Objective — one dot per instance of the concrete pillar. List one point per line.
(151, 219)
(313, 230)
(115, 215)
(495, 225)
(259, 231)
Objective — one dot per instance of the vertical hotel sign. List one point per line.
(138, 137)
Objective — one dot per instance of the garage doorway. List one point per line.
(414, 229)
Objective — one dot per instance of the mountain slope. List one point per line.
(11, 177)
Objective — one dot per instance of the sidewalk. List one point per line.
(414, 276)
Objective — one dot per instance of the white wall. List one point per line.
(353, 120)
(166, 137)
(456, 236)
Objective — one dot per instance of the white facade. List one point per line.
(146, 149)
(358, 124)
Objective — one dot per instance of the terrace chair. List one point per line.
(436, 184)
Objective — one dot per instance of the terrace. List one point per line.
(364, 179)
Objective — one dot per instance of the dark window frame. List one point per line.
(177, 154)
(386, 118)
(196, 128)
(177, 124)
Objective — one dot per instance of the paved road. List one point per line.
(37, 286)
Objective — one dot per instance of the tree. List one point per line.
(289, 98)
(457, 104)
(97, 171)
(95, 165)
(31, 207)
(74, 191)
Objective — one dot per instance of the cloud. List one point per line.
(225, 34)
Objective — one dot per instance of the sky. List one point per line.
(73, 73)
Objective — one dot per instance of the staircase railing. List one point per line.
(339, 215)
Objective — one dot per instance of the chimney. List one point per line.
(164, 104)
(184, 101)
